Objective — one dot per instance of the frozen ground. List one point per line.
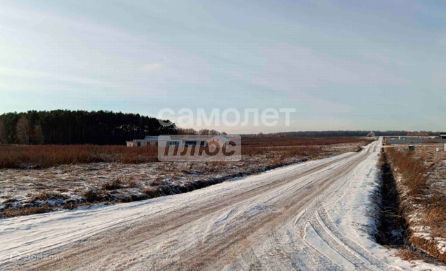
(317, 215)
(73, 185)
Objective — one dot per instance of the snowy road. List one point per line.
(310, 216)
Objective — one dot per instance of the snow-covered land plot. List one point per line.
(24, 191)
(317, 215)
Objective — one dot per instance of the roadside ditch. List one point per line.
(393, 228)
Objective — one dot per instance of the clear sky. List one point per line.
(378, 64)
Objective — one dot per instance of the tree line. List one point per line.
(78, 127)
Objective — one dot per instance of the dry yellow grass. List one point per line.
(43, 156)
(25, 211)
(415, 169)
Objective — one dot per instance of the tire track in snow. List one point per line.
(169, 219)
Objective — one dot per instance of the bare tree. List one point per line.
(23, 130)
(3, 137)
(186, 131)
(213, 132)
(204, 132)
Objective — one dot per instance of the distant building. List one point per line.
(443, 136)
(183, 140)
(371, 134)
(147, 141)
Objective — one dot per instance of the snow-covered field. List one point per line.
(68, 185)
(317, 215)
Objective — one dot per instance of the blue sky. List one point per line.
(341, 64)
